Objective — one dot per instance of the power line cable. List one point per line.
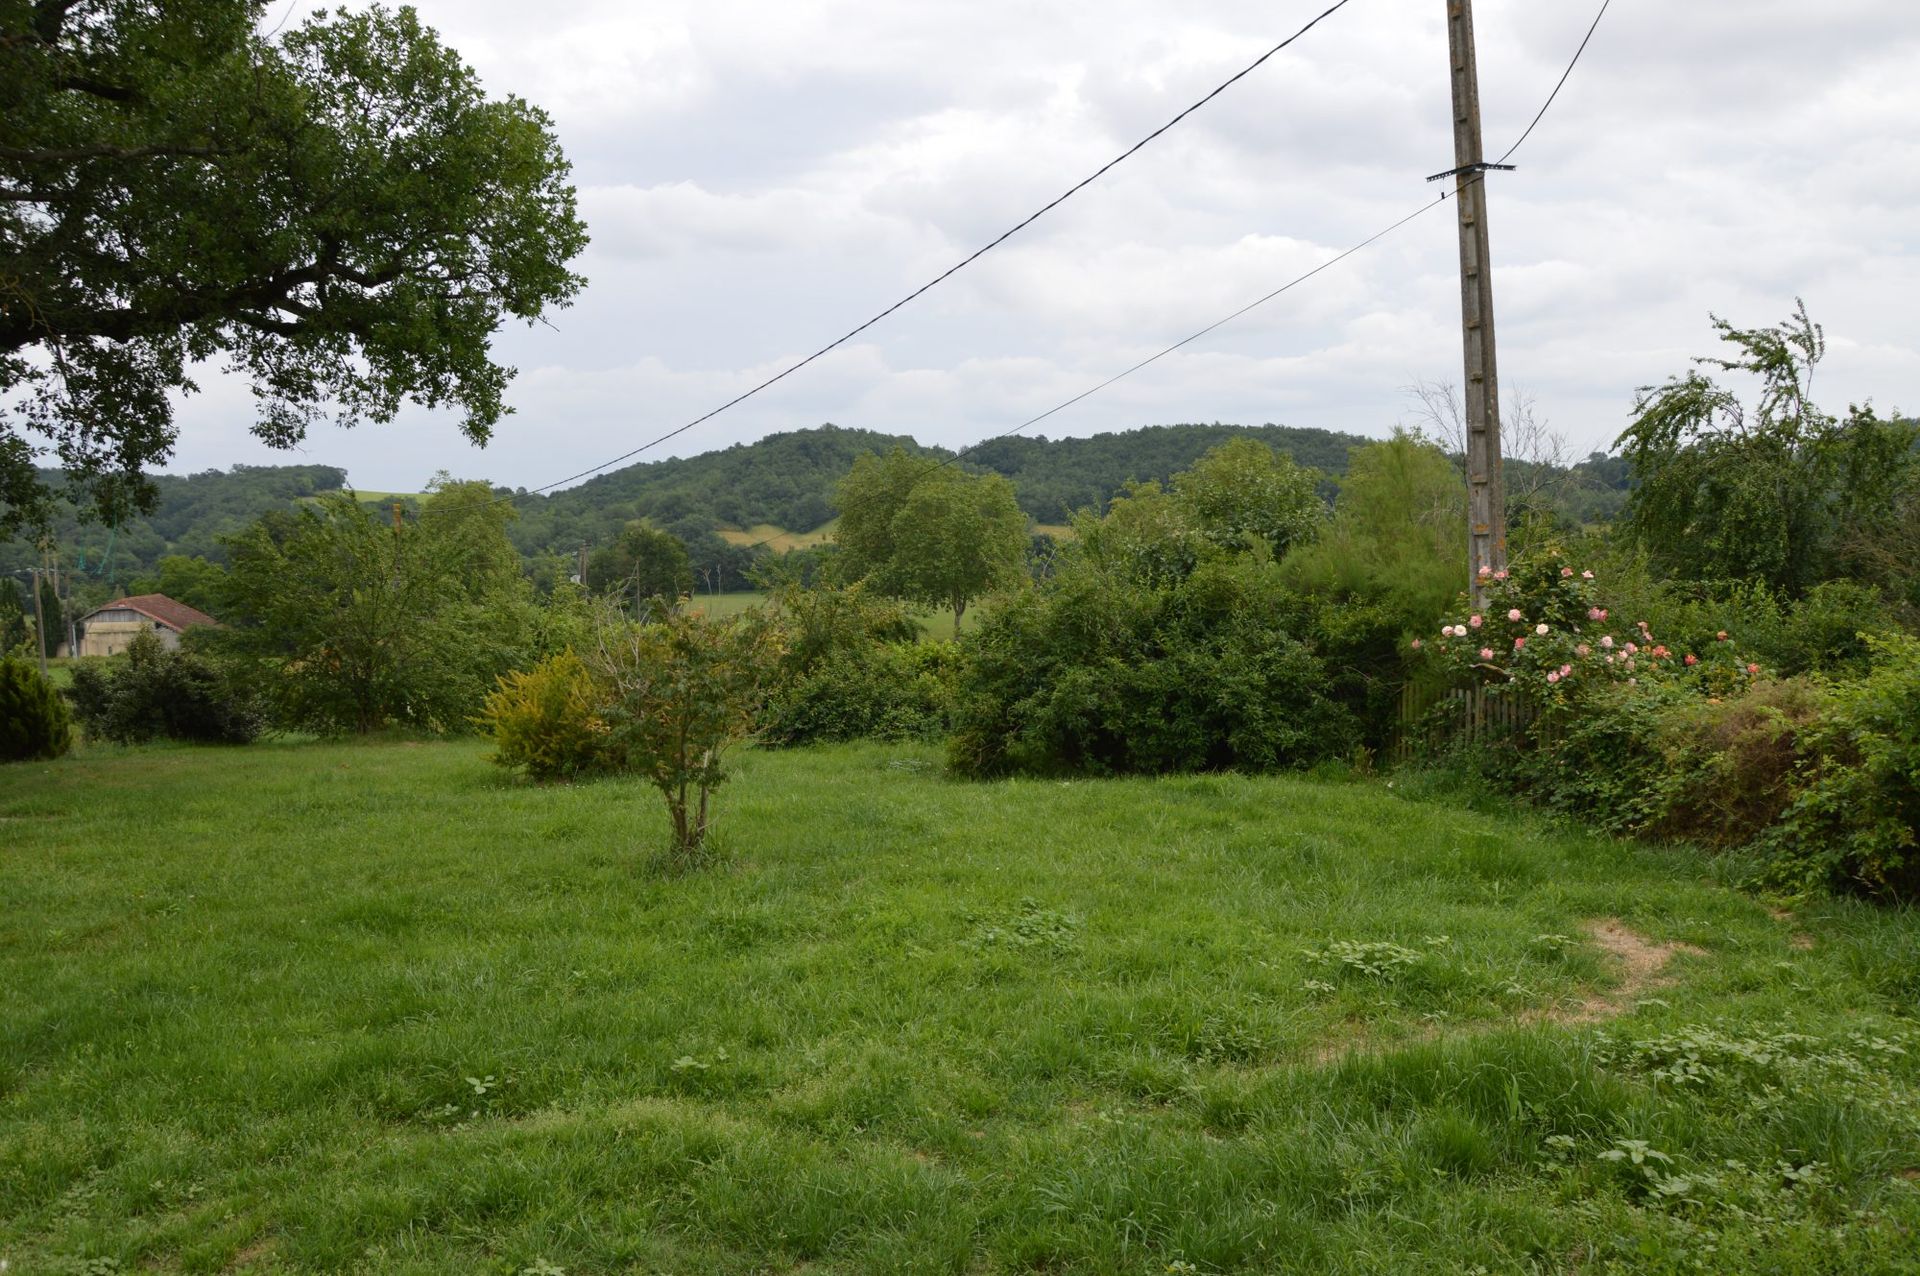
(1162, 353)
(1260, 301)
(962, 264)
(1548, 104)
(283, 20)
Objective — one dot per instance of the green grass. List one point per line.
(380, 1008)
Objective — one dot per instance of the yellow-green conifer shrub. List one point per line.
(547, 720)
(33, 718)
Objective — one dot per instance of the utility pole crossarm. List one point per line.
(1486, 496)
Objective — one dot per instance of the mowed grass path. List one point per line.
(380, 1008)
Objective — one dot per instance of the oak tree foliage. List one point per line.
(340, 215)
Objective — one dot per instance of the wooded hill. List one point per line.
(784, 480)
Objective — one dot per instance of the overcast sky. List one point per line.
(760, 175)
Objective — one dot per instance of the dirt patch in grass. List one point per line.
(247, 1259)
(1643, 966)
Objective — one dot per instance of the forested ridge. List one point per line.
(785, 480)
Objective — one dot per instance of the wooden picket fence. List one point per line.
(1432, 717)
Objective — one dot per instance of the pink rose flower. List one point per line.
(1553, 677)
(1485, 570)
(1513, 614)
(1607, 642)
(1721, 636)
(1753, 669)
(1583, 650)
(1586, 575)
(1518, 643)
(1631, 648)
(1594, 613)
(1500, 575)
(1416, 644)
(1566, 671)
(1566, 571)
(1474, 621)
(1692, 659)
(1540, 629)
(1486, 653)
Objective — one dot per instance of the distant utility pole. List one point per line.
(582, 577)
(1486, 493)
(39, 622)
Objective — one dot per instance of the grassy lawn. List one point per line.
(379, 1008)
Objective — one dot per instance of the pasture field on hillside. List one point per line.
(778, 539)
(378, 1007)
(937, 624)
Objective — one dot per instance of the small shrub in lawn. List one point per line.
(884, 691)
(159, 694)
(548, 720)
(684, 690)
(33, 718)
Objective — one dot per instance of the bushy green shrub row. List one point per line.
(1692, 738)
(1108, 671)
(158, 694)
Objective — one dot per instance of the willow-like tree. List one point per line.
(339, 215)
(1771, 492)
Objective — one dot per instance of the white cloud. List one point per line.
(760, 176)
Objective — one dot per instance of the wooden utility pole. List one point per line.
(1486, 493)
(39, 622)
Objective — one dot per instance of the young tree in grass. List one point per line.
(957, 539)
(644, 565)
(930, 534)
(684, 690)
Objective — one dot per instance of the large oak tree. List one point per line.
(340, 215)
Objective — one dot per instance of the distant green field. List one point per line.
(933, 624)
(380, 1008)
(778, 539)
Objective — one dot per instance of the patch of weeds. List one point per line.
(687, 1063)
(1220, 1040)
(1762, 1066)
(1031, 929)
(478, 1098)
(1382, 961)
(101, 1266)
(1552, 945)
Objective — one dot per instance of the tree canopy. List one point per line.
(928, 532)
(1769, 494)
(342, 216)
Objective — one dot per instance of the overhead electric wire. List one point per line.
(1162, 353)
(1548, 104)
(963, 263)
(1261, 301)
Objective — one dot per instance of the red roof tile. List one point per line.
(175, 616)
